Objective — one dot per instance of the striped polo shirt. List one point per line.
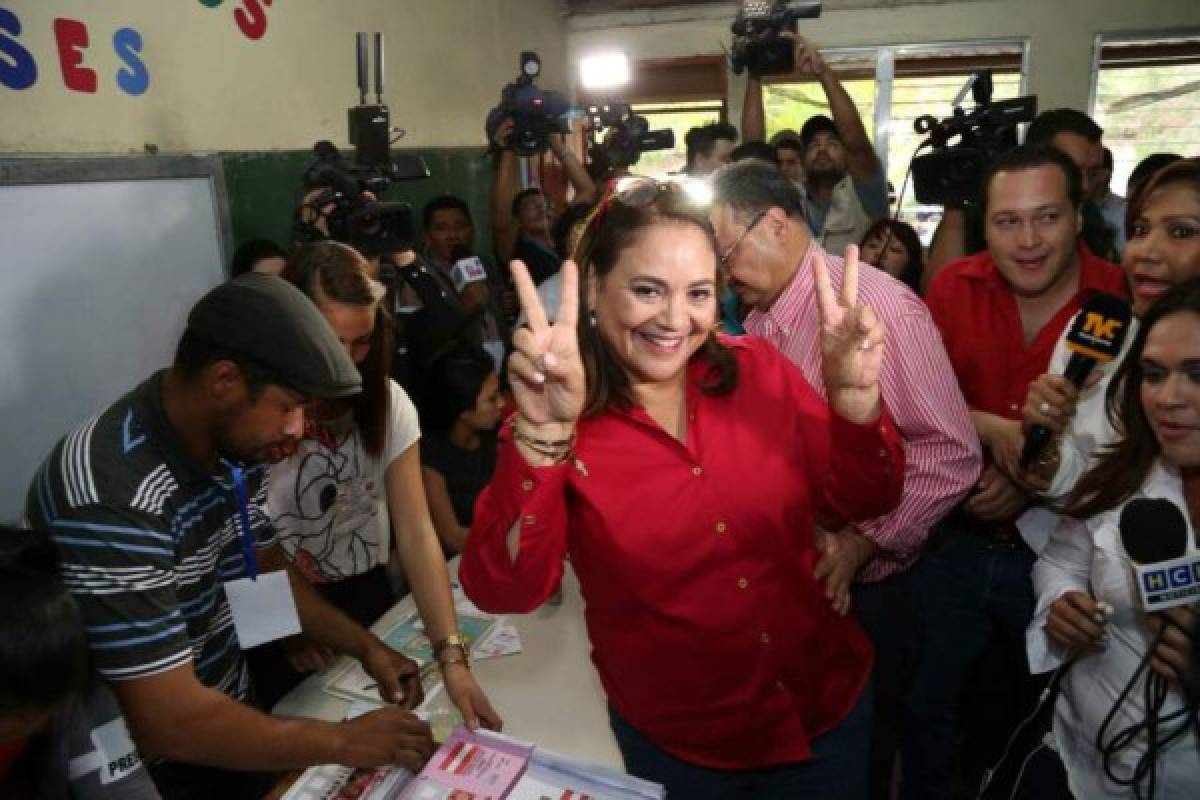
(147, 537)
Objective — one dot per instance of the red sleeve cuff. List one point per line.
(867, 468)
(534, 496)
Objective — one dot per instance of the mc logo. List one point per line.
(1101, 326)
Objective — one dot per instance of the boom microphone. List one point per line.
(1096, 337)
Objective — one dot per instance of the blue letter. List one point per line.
(128, 44)
(19, 71)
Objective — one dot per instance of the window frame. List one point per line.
(1129, 38)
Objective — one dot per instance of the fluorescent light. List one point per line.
(604, 71)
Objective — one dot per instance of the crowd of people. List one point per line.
(778, 442)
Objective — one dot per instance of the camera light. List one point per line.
(604, 71)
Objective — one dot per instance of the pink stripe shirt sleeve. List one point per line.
(943, 452)
(943, 455)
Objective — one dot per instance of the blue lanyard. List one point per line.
(239, 488)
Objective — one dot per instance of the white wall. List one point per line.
(213, 88)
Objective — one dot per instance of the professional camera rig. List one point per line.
(758, 41)
(535, 113)
(620, 136)
(350, 191)
(951, 174)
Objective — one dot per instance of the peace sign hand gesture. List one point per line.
(852, 346)
(545, 370)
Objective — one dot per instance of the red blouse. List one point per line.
(709, 633)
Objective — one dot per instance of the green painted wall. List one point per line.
(264, 189)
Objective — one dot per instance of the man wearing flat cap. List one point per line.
(845, 189)
(156, 508)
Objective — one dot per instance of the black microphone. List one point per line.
(1095, 338)
(1153, 530)
(1154, 534)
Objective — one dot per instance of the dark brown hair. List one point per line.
(613, 227)
(903, 233)
(1183, 171)
(1122, 467)
(332, 271)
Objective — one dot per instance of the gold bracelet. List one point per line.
(525, 437)
(558, 451)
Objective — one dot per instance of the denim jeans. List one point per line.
(887, 611)
(974, 598)
(837, 770)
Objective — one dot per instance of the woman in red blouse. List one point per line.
(682, 472)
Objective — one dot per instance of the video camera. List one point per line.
(626, 135)
(951, 174)
(368, 225)
(535, 113)
(758, 43)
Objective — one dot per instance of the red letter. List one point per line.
(72, 37)
(252, 19)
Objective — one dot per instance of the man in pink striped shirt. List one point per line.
(767, 252)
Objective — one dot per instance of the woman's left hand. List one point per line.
(852, 343)
(1172, 658)
(472, 703)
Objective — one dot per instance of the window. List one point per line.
(892, 87)
(675, 93)
(1146, 96)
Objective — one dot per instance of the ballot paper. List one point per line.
(479, 765)
(346, 783)
(483, 765)
(407, 636)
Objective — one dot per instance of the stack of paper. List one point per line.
(479, 765)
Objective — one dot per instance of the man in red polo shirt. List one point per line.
(1001, 313)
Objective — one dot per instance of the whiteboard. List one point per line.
(101, 260)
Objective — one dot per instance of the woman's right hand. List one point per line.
(1075, 621)
(1050, 403)
(545, 369)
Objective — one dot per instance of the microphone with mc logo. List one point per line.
(1096, 337)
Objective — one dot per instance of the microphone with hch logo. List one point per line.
(1154, 534)
(1096, 337)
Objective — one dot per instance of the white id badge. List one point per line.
(264, 609)
(117, 754)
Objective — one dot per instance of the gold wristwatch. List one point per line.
(458, 640)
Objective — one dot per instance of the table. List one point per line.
(548, 694)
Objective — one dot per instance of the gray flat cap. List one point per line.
(272, 322)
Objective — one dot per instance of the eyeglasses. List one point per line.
(757, 218)
(636, 191)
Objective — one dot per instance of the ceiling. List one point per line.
(602, 6)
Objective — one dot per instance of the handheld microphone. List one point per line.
(468, 269)
(1096, 337)
(1154, 534)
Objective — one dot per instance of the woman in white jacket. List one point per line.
(1154, 403)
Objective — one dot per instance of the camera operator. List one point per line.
(523, 220)
(844, 185)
